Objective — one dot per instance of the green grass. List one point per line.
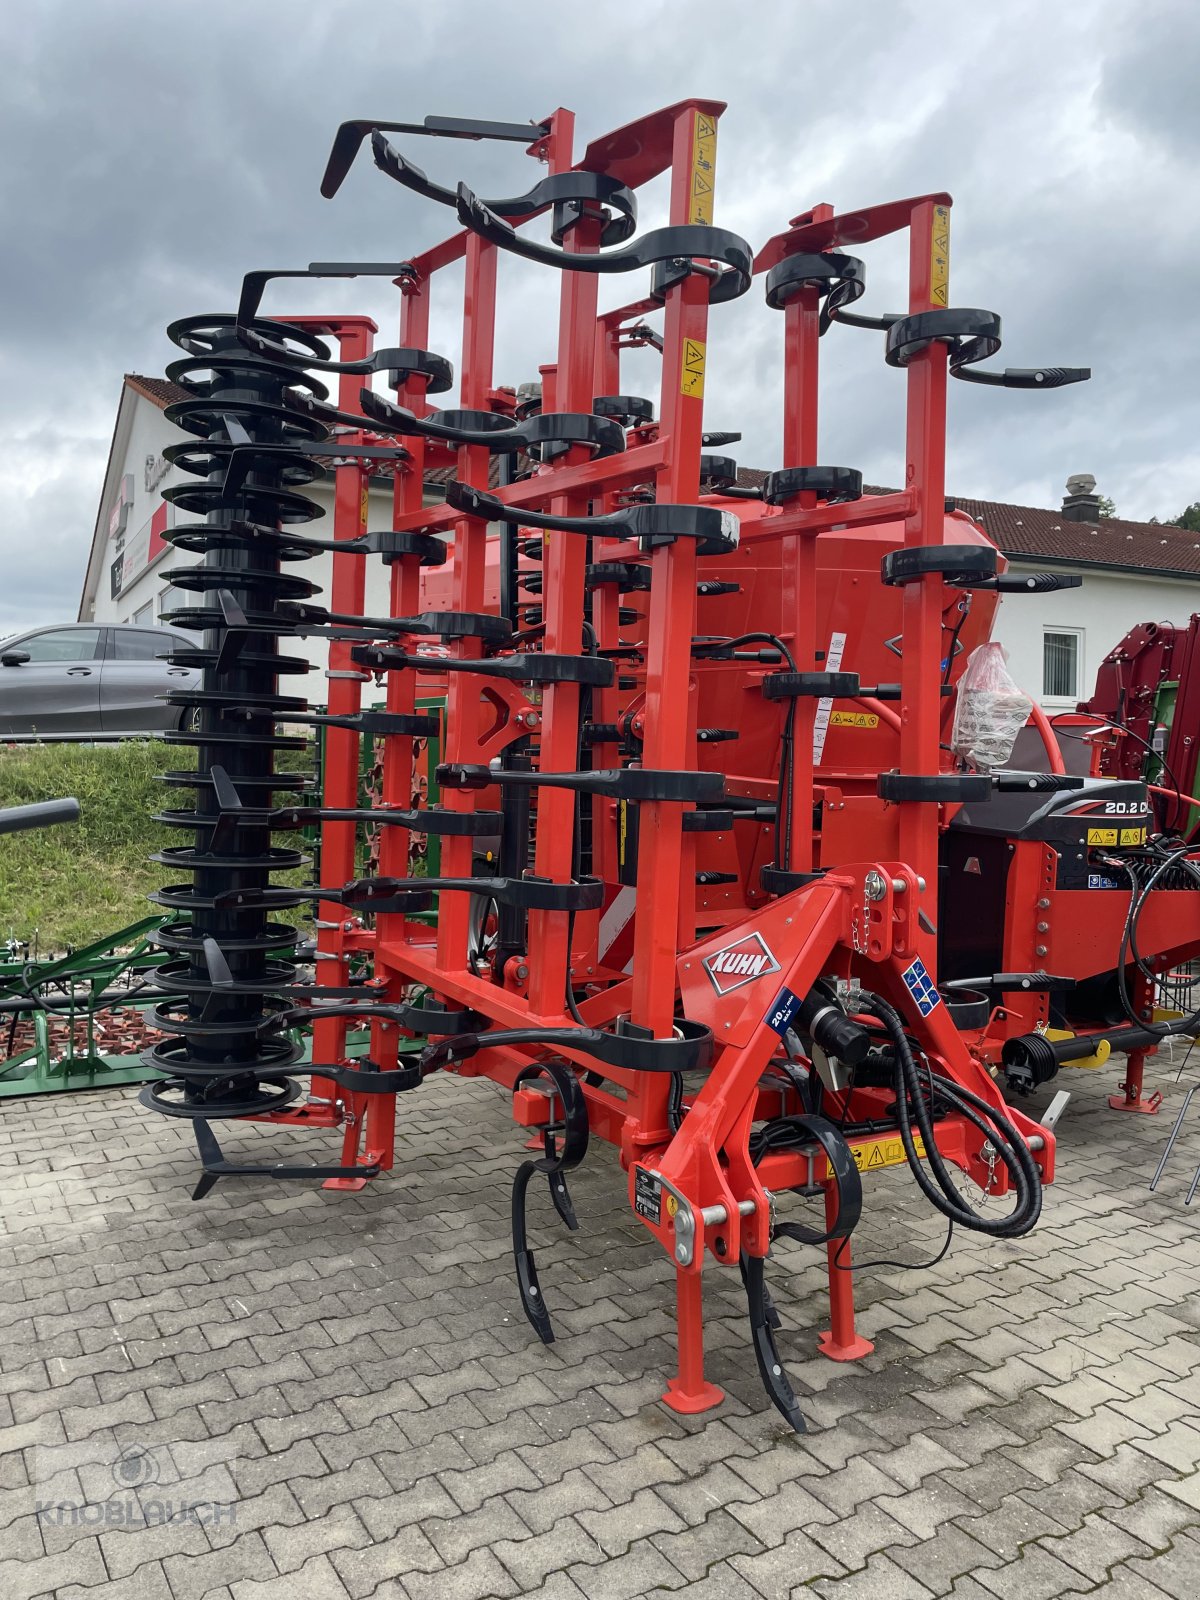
(78, 882)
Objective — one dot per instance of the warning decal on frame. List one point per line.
(874, 1154)
(1102, 836)
(920, 985)
(691, 377)
(853, 719)
(939, 257)
(833, 660)
(704, 163)
(1133, 835)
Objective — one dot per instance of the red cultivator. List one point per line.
(690, 838)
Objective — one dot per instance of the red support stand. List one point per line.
(839, 1341)
(1130, 1098)
(689, 1392)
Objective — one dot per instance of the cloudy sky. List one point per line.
(155, 152)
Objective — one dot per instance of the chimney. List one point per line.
(1081, 503)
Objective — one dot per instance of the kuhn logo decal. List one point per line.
(740, 963)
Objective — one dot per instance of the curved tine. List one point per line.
(254, 285)
(563, 1204)
(347, 142)
(769, 1307)
(398, 419)
(559, 189)
(477, 215)
(350, 136)
(479, 503)
(680, 243)
(859, 319)
(553, 1165)
(770, 1367)
(306, 405)
(389, 160)
(842, 294)
(378, 361)
(532, 1301)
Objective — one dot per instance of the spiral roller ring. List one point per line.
(227, 1048)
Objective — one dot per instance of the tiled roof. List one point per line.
(160, 390)
(1033, 533)
(1025, 531)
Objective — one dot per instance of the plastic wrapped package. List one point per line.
(991, 709)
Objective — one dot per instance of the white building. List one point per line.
(126, 578)
(1132, 571)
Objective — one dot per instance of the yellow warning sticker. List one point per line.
(691, 376)
(1133, 835)
(853, 719)
(939, 257)
(1102, 836)
(704, 169)
(363, 504)
(875, 1154)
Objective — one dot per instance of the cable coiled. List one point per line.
(914, 1091)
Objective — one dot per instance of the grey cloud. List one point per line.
(155, 153)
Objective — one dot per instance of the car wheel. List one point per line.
(189, 722)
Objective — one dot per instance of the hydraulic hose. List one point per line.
(937, 1184)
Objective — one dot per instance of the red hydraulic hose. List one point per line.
(1043, 725)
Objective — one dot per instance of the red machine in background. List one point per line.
(702, 840)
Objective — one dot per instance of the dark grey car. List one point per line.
(90, 680)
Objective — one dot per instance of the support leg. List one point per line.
(351, 1141)
(688, 1392)
(1130, 1098)
(839, 1341)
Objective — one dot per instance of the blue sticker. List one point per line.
(1097, 880)
(920, 985)
(782, 1011)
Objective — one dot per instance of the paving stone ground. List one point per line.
(345, 1385)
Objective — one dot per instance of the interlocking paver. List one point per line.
(852, 1540)
(1095, 1548)
(531, 1560)
(1037, 1575)
(616, 1529)
(1017, 1520)
(1026, 1426)
(315, 1580)
(149, 1582)
(1176, 1570)
(880, 1579)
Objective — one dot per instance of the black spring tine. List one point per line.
(532, 1301)
(770, 1366)
(564, 1144)
(769, 1306)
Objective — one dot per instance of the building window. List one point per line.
(1062, 649)
(144, 613)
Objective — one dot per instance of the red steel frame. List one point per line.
(834, 925)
